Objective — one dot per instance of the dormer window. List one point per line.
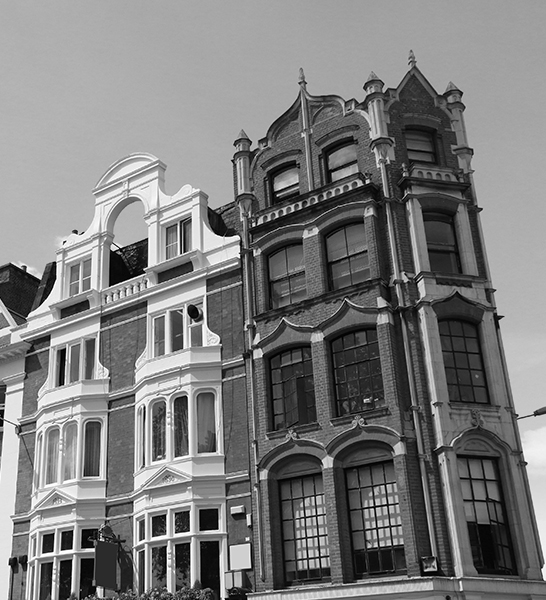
(80, 277)
(421, 146)
(75, 362)
(285, 184)
(178, 239)
(341, 162)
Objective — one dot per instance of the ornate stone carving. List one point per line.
(476, 418)
(291, 434)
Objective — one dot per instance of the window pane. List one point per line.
(74, 363)
(48, 543)
(286, 184)
(159, 566)
(208, 519)
(86, 275)
(420, 146)
(52, 456)
(463, 362)
(305, 534)
(74, 286)
(158, 431)
(375, 519)
(89, 369)
(210, 566)
(171, 248)
(287, 276)
(485, 514)
(182, 565)
(61, 366)
(70, 451)
(159, 525)
(46, 580)
(177, 330)
(159, 336)
(181, 426)
(185, 227)
(206, 423)
(347, 256)
(65, 579)
(87, 570)
(342, 162)
(141, 571)
(67, 540)
(91, 457)
(87, 538)
(292, 392)
(182, 521)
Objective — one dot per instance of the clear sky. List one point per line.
(84, 83)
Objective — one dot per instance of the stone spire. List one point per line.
(301, 79)
(412, 61)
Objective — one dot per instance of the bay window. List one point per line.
(177, 329)
(192, 430)
(180, 533)
(79, 454)
(75, 361)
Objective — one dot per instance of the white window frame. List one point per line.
(41, 454)
(79, 282)
(144, 428)
(74, 360)
(76, 553)
(182, 238)
(194, 537)
(193, 331)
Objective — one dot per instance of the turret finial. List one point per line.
(301, 78)
(412, 62)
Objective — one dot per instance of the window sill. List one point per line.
(195, 257)
(372, 413)
(292, 431)
(90, 296)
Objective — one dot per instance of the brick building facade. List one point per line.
(386, 458)
(301, 394)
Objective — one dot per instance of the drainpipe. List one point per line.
(415, 409)
(244, 200)
(382, 144)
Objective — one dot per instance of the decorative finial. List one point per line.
(243, 135)
(301, 79)
(412, 62)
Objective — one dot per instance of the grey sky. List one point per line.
(84, 83)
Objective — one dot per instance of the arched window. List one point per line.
(286, 276)
(70, 451)
(91, 449)
(180, 410)
(486, 516)
(285, 184)
(357, 371)
(159, 437)
(347, 256)
(443, 253)
(52, 456)
(341, 161)
(292, 388)
(421, 146)
(206, 422)
(463, 362)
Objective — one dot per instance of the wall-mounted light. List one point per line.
(194, 312)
